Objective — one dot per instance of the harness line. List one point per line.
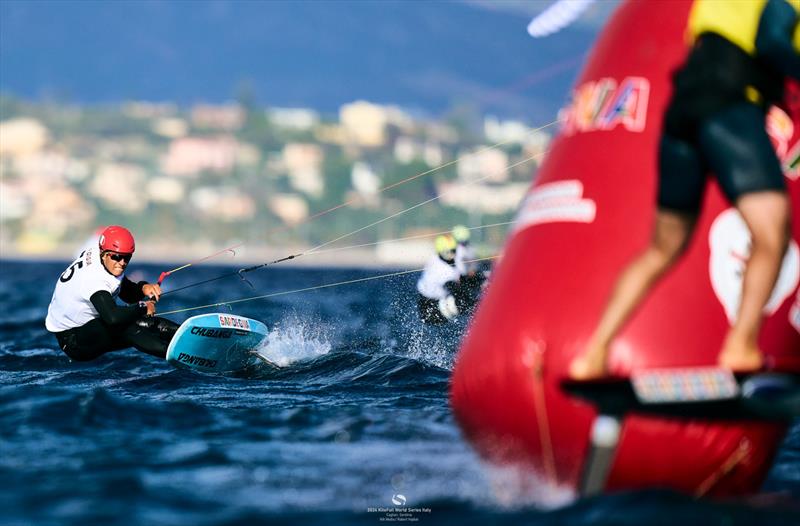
(187, 265)
(307, 289)
(419, 236)
(234, 273)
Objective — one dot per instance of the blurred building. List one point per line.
(290, 208)
(49, 166)
(21, 137)
(506, 132)
(364, 179)
(166, 190)
(120, 186)
(485, 164)
(191, 155)
(247, 154)
(366, 124)
(298, 119)
(170, 127)
(223, 202)
(408, 149)
(225, 117)
(15, 201)
(303, 163)
(330, 134)
(483, 198)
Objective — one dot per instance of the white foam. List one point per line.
(295, 340)
(515, 487)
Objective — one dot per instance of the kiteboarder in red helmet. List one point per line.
(84, 315)
(742, 54)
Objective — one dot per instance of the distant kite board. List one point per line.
(217, 343)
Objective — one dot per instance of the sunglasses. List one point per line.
(120, 257)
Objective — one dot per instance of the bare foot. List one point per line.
(740, 356)
(589, 365)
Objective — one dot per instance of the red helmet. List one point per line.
(117, 239)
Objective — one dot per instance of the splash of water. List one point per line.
(295, 339)
(516, 487)
(427, 348)
(432, 345)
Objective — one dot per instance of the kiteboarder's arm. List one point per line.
(131, 292)
(113, 314)
(774, 40)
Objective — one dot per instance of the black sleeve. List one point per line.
(131, 292)
(775, 38)
(113, 314)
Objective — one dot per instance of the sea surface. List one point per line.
(352, 429)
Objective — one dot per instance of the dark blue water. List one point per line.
(357, 416)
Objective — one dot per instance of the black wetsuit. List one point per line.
(716, 117)
(429, 308)
(118, 327)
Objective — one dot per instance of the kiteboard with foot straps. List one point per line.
(218, 343)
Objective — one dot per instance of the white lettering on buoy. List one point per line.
(556, 202)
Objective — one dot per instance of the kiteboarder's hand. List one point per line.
(152, 290)
(151, 307)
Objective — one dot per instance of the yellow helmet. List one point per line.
(461, 233)
(445, 244)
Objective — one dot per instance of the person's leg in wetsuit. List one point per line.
(89, 341)
(674, 224)
(150, 335)
(739, 151)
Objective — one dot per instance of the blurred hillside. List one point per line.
(205, 176)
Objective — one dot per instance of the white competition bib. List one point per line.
(70, 306)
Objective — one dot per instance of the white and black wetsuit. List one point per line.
(88, 322)
(439, 279)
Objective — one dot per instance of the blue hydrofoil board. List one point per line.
(217, 343)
